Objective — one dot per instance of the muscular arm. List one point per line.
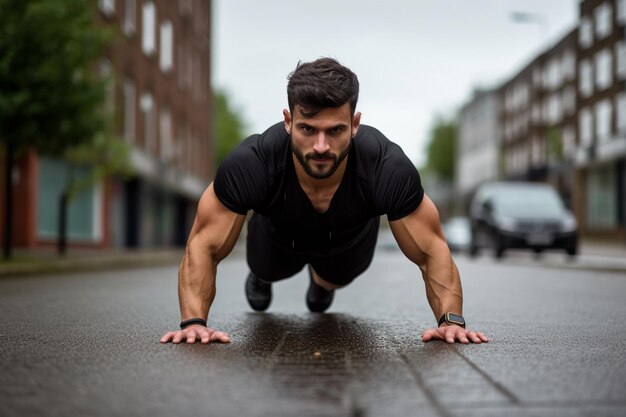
(213, 235)
(421, 239)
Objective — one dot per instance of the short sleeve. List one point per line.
(241, 181)
(397, 186)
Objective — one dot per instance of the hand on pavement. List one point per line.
(452, 333)
(194, 333)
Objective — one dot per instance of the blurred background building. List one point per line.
(561, 119)
(160, 95)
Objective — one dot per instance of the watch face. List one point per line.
(455, 318)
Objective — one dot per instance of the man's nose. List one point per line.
(321, 144)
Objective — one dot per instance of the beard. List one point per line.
(320, 171)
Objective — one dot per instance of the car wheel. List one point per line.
(571, 250)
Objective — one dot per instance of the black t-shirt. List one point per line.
(259, 175)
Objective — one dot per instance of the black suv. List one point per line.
(521, 215)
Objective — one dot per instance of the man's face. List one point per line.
(320, 143)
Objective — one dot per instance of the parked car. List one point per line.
(458, 233)
(506, 215)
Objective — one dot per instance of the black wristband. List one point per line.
(189, 322)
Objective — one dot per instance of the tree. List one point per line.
(52, 97)
(441, 151)
(228, 125)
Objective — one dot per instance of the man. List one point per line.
(317, 184)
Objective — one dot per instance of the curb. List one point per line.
(93, 263)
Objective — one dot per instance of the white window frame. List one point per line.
(148, 35)
(603, 16)
(148, 113)
(166, 135)
(621, 11)
(603, 61)
(603, 110)
(620, 60)
(166, 55)
(130, 112)
(585, 32)
(620, 113)
(107, 7)
(129, 22)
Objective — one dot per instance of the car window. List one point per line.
(528, 201)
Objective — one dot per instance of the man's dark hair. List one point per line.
(321, 84)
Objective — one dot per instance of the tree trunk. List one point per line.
(8, 192)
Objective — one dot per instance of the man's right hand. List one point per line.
(195, 333)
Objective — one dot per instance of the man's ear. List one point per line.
(287, 117)
(356, 122)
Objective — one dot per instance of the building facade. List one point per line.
(478, 144)
(160, 95)
(601, 153)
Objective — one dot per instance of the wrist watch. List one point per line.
(451, 318)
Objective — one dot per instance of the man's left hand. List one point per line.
(452, 333)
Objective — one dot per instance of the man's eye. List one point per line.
(336, 130)
(307, 129)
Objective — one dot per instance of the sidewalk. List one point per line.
(594, 255)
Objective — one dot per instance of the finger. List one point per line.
(205, 337)
(220, 337)
(463, 338)
(178, 337)
(450, 335)
(166, 337)
(191, 337)
(482, 337)
(427, 335)
(474, 337)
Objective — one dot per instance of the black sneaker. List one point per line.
(318, 299)
(258, 293)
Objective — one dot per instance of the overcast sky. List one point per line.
(415, 59)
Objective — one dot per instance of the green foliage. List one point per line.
(228, 125)
(51, 94)
(441, 151)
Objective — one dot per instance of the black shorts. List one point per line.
(272, 260)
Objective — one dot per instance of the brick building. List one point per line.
(601, 154)
(161, 99)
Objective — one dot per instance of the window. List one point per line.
(148, 38)
(148, 113)
(585, 83)
(621, 11)
(604, 69)
(107, 7)
(620, 110)
(129, 111)
(585, 34)
(167, 46)
(603, 120)
(585, 121)
(569, 142)
(568, 65)
(166, 142)
(569, 101)
(128, 23)
(620, 57)
(553, 109)
(602, 198)
(603, 15)
(105, 68)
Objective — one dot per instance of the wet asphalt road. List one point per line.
(87, 345)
